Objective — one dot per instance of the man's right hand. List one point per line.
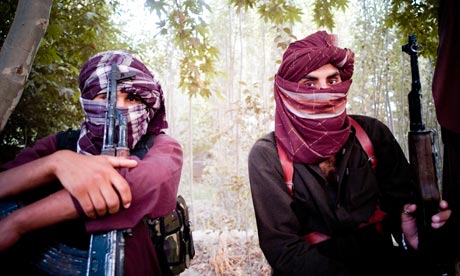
(409, 224)
(94, 181)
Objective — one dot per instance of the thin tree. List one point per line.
(18, 52)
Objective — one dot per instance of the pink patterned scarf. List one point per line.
(311, 124)
(94, 79)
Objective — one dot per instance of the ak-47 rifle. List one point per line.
(422, 151)
(106, 250)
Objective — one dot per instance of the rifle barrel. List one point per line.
(415, 95)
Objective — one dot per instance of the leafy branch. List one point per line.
(182, 22)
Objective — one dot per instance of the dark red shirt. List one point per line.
(154, 184)
(446, 87)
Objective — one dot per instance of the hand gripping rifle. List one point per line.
(106, 250)
(422, 151)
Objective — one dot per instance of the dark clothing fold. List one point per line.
(154, 184)
(283, 220)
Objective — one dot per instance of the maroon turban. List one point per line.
(311, 124)
(312, 52)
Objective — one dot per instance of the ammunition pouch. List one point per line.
(172, 237)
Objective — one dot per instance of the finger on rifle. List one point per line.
(111, 199)
(122, 188)
(98, 203)
(443, 204)
(408, 209)
(121, 162)
(87, 206)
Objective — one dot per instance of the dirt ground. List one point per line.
(229, 253)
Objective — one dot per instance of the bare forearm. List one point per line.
(92, 180)
(53, 209)
(28, 176)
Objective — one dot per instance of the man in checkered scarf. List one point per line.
(149, 117)
(72, 194)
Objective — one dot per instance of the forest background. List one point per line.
(216, 60)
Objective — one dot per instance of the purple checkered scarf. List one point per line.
(94, 80)
(311, 124)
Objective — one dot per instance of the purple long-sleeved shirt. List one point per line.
(154, 184)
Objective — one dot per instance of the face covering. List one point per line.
(92, 129)
(94, 80)
(311, 125)
(137, 118)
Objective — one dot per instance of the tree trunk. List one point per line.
(18, 52)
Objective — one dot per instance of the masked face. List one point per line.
(137, 118)
(143, 90)
(92, 130)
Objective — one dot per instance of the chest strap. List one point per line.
(365, 142)
(288, 171)
(288, 168)
(363, 138)
(375, 220)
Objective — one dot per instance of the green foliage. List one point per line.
(50, 101)
(419, 18)
(279, 12)
(322, 12)
(7, 11)
(183, 23)
(409, 16)
(241, 5)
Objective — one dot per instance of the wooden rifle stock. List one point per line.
(423, 164)
(422, 153)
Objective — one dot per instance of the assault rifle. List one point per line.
(106, 250)
(422, 151)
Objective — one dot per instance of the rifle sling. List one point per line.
(288, 170)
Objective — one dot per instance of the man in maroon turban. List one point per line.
(322, 208)
(69, 195)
